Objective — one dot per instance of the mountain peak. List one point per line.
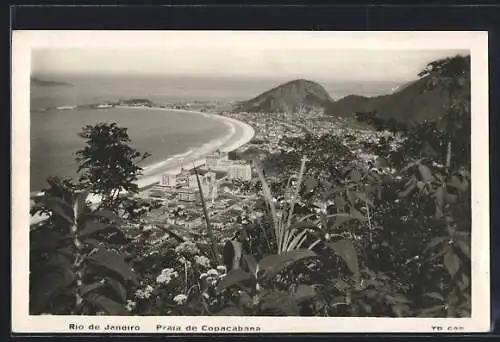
(288, 97)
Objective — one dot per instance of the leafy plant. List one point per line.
(108, 165)
(77, 260)
(257, 295)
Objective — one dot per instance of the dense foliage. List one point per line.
(346, 225)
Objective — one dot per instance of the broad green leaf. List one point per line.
(244, 299)
(450, 198)
(46, 288)
(408, 166)
(279, 303)
(341, 202)
(56, 261)
(400, 310)
(355, 175)
(435, 311)
(341, 285)
(58, 207)
(93, 242)
(351, 196)
(304, 292)
(53, 199)
(410, 181)
(425, 172)
(232, 278)
(44, 240)
(451, 262)
(464, 247)
(93, 227)
(81, 202)
(434, 242)
(371, 294)
(347, 169)
(113, 262)
(458, 184)
(274, 264)
(232, 254)
(118, 288)
(303, 225)
(464, 283)
(442, 252)
(439, 199)
(106, 214)
(408, 190)
(345, 249)
(435, 295)
(84, 289)
(230, 311)
(439, 196)
(421, 185)
(356, 214)
(252, 264)
(364, 198)
(342, 218)
(452, 297)
(397, 299)
(175, 233)
(310, 184)
(106, 304)
(367, 307)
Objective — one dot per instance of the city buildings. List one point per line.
(208, 185)
(186, 194)
(168, 179)
(241, 172)
(216, 159)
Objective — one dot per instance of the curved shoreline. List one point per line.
(240, 133)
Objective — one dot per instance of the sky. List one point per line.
(203, 55)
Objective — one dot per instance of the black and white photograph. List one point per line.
(260, 181)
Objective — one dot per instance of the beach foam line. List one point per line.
(239, 134)
(151, 167)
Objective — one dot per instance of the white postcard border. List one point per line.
(476, 42)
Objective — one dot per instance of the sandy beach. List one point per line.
(239, 134)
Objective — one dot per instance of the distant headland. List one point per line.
(48, 83)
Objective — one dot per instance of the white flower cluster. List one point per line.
(166, 276)
(202, 260)
(185, 262)
(180, 299)
(212, 276)
(147, 228)
(187, 247)
(144, 293)
(130, 305)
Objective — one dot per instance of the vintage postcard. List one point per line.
(250, 182)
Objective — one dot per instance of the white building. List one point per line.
(208, 185)
(211, 181)
(216, 159)
(168, 179)
(240, 172)
(192, 182)
(186, 195)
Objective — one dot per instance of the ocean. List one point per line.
(54, 138)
